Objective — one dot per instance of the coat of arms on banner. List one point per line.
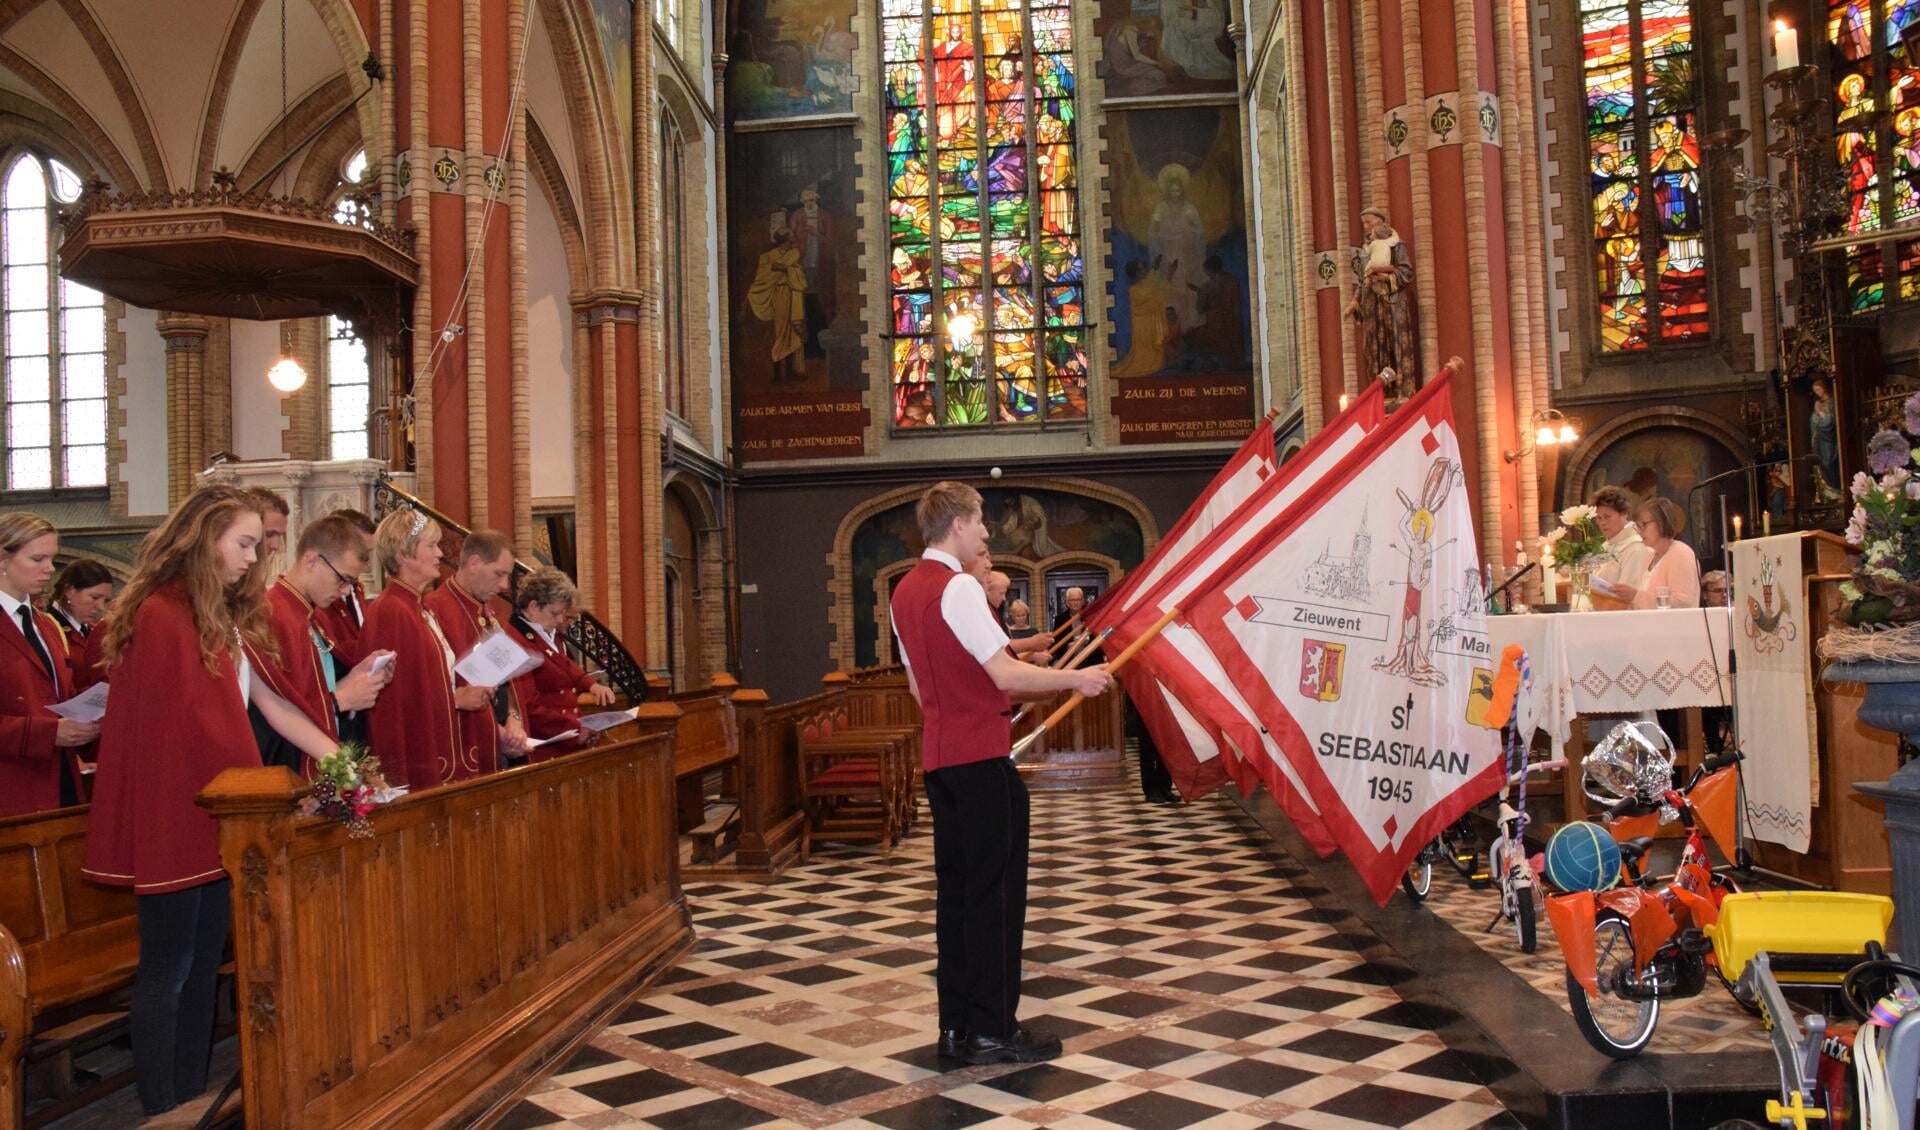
(1322, 668)
(1767, 618)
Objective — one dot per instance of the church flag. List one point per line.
(1355, 629)
(1246, 471)
(1205, 731)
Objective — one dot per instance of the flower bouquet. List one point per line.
(1579, 547)
(347, 786)
(1885, 587)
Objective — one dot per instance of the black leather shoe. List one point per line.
(1021, 1047)
(953, 1043)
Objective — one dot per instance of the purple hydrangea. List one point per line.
(1888, 450)
(1912, 407)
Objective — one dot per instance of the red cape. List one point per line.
(550, 693)
(171, 727)
(465, 620)
(30, 764)
(297, 676)
(411, 726)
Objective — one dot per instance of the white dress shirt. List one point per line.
(963, 603)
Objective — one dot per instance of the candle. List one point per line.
(1766, 523)
(1786, 46)
(1549, 581)
(1736, 527)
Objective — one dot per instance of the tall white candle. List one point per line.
(1786, 46)
(1549, 581)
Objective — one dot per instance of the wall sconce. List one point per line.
(1550, 428)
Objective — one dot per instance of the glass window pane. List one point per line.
(347, 361)
(357, 166)
(85, 422)
(26, 333)
(26, 235)
(83, 330)
(27, 379)
(82, 375)
(74, 295)
(349, 407)
(27, 287)
(26, 187)
(30, 469)
(350, 445)
(29, 425)
(67, 184)
(86, 466)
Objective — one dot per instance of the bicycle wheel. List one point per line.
(1614, 1026)
(1523, 919)
(1418, 879)
(1456, 840)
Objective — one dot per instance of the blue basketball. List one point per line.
(1581, 856)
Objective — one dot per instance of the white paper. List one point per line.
(389, 794)
(595, 723)
(1601, 585)
(536, 743)
(381, 662)
(494, 660)
(89, 705)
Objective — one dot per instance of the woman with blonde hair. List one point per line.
(412, 725)
(1672, 573)
(38, 768)
(185, 650)
(546, 603)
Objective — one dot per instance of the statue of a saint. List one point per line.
(1383, 303)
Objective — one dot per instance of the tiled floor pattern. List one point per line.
(1193, 982)
(1709, 1022)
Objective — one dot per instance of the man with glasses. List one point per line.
(325, 561)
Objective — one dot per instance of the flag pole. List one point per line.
(1061, 640)
(1078, 658)
(1076, 698)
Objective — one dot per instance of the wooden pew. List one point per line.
(65, 944)
(424, 976)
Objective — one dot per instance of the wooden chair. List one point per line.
(68, 950)
(854, 782)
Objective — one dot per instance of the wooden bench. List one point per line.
(858, 783)
(67, 949)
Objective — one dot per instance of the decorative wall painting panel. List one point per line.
(613, 20)
(790, 59)
(1179, 286)
(1167, 47)
(794, 302)
(1670, 462)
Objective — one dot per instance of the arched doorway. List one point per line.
(683, 552)
(1678, 454)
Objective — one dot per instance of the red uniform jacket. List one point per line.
(298, 676)
(967, 717)
(412, 726)
(83, 650)
(337, 621)
(465, 620)
(550, 694)
(171, 727)
(30, 764)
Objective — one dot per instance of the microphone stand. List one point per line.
(1509, 582)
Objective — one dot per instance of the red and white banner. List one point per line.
(1205, 731)
(1354, 628)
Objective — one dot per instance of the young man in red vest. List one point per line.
(960, 670)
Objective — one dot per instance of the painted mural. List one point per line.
(1180, 281)
(1031, 524)
(1158, 47)
(795, 317)
(613, 19)
(790, 59)
(1670, 462)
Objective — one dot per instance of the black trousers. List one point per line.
(980, 819)
(182, 935)
(1154, 778)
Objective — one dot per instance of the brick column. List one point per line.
(185, 336)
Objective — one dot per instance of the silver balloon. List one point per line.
(1635, 760)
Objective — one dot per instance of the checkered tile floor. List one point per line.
(1193, 982)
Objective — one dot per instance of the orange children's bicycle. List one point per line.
(1630, 947)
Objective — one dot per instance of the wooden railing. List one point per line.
(422, 976)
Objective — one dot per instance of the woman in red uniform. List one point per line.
(551, 692)
(183, 649)
(37, 771)
(412, 726)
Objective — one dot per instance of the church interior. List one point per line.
(1550, 370)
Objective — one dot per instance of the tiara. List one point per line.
(419, 523)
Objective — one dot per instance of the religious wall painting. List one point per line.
(791, 59)
(1670, 462)
(1156, 47)
(613, 21)
(1182, 336)
(1030, 524)
(797, 352)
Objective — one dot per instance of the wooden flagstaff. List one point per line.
(1076, 698)
(1062, 634)
(1075, 660)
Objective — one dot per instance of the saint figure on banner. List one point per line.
(1412, 657)
(1383, 302)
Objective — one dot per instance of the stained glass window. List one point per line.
(1878, 154)
(988, 305)
(1649, 242)
(55, 336)
(349, 375)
